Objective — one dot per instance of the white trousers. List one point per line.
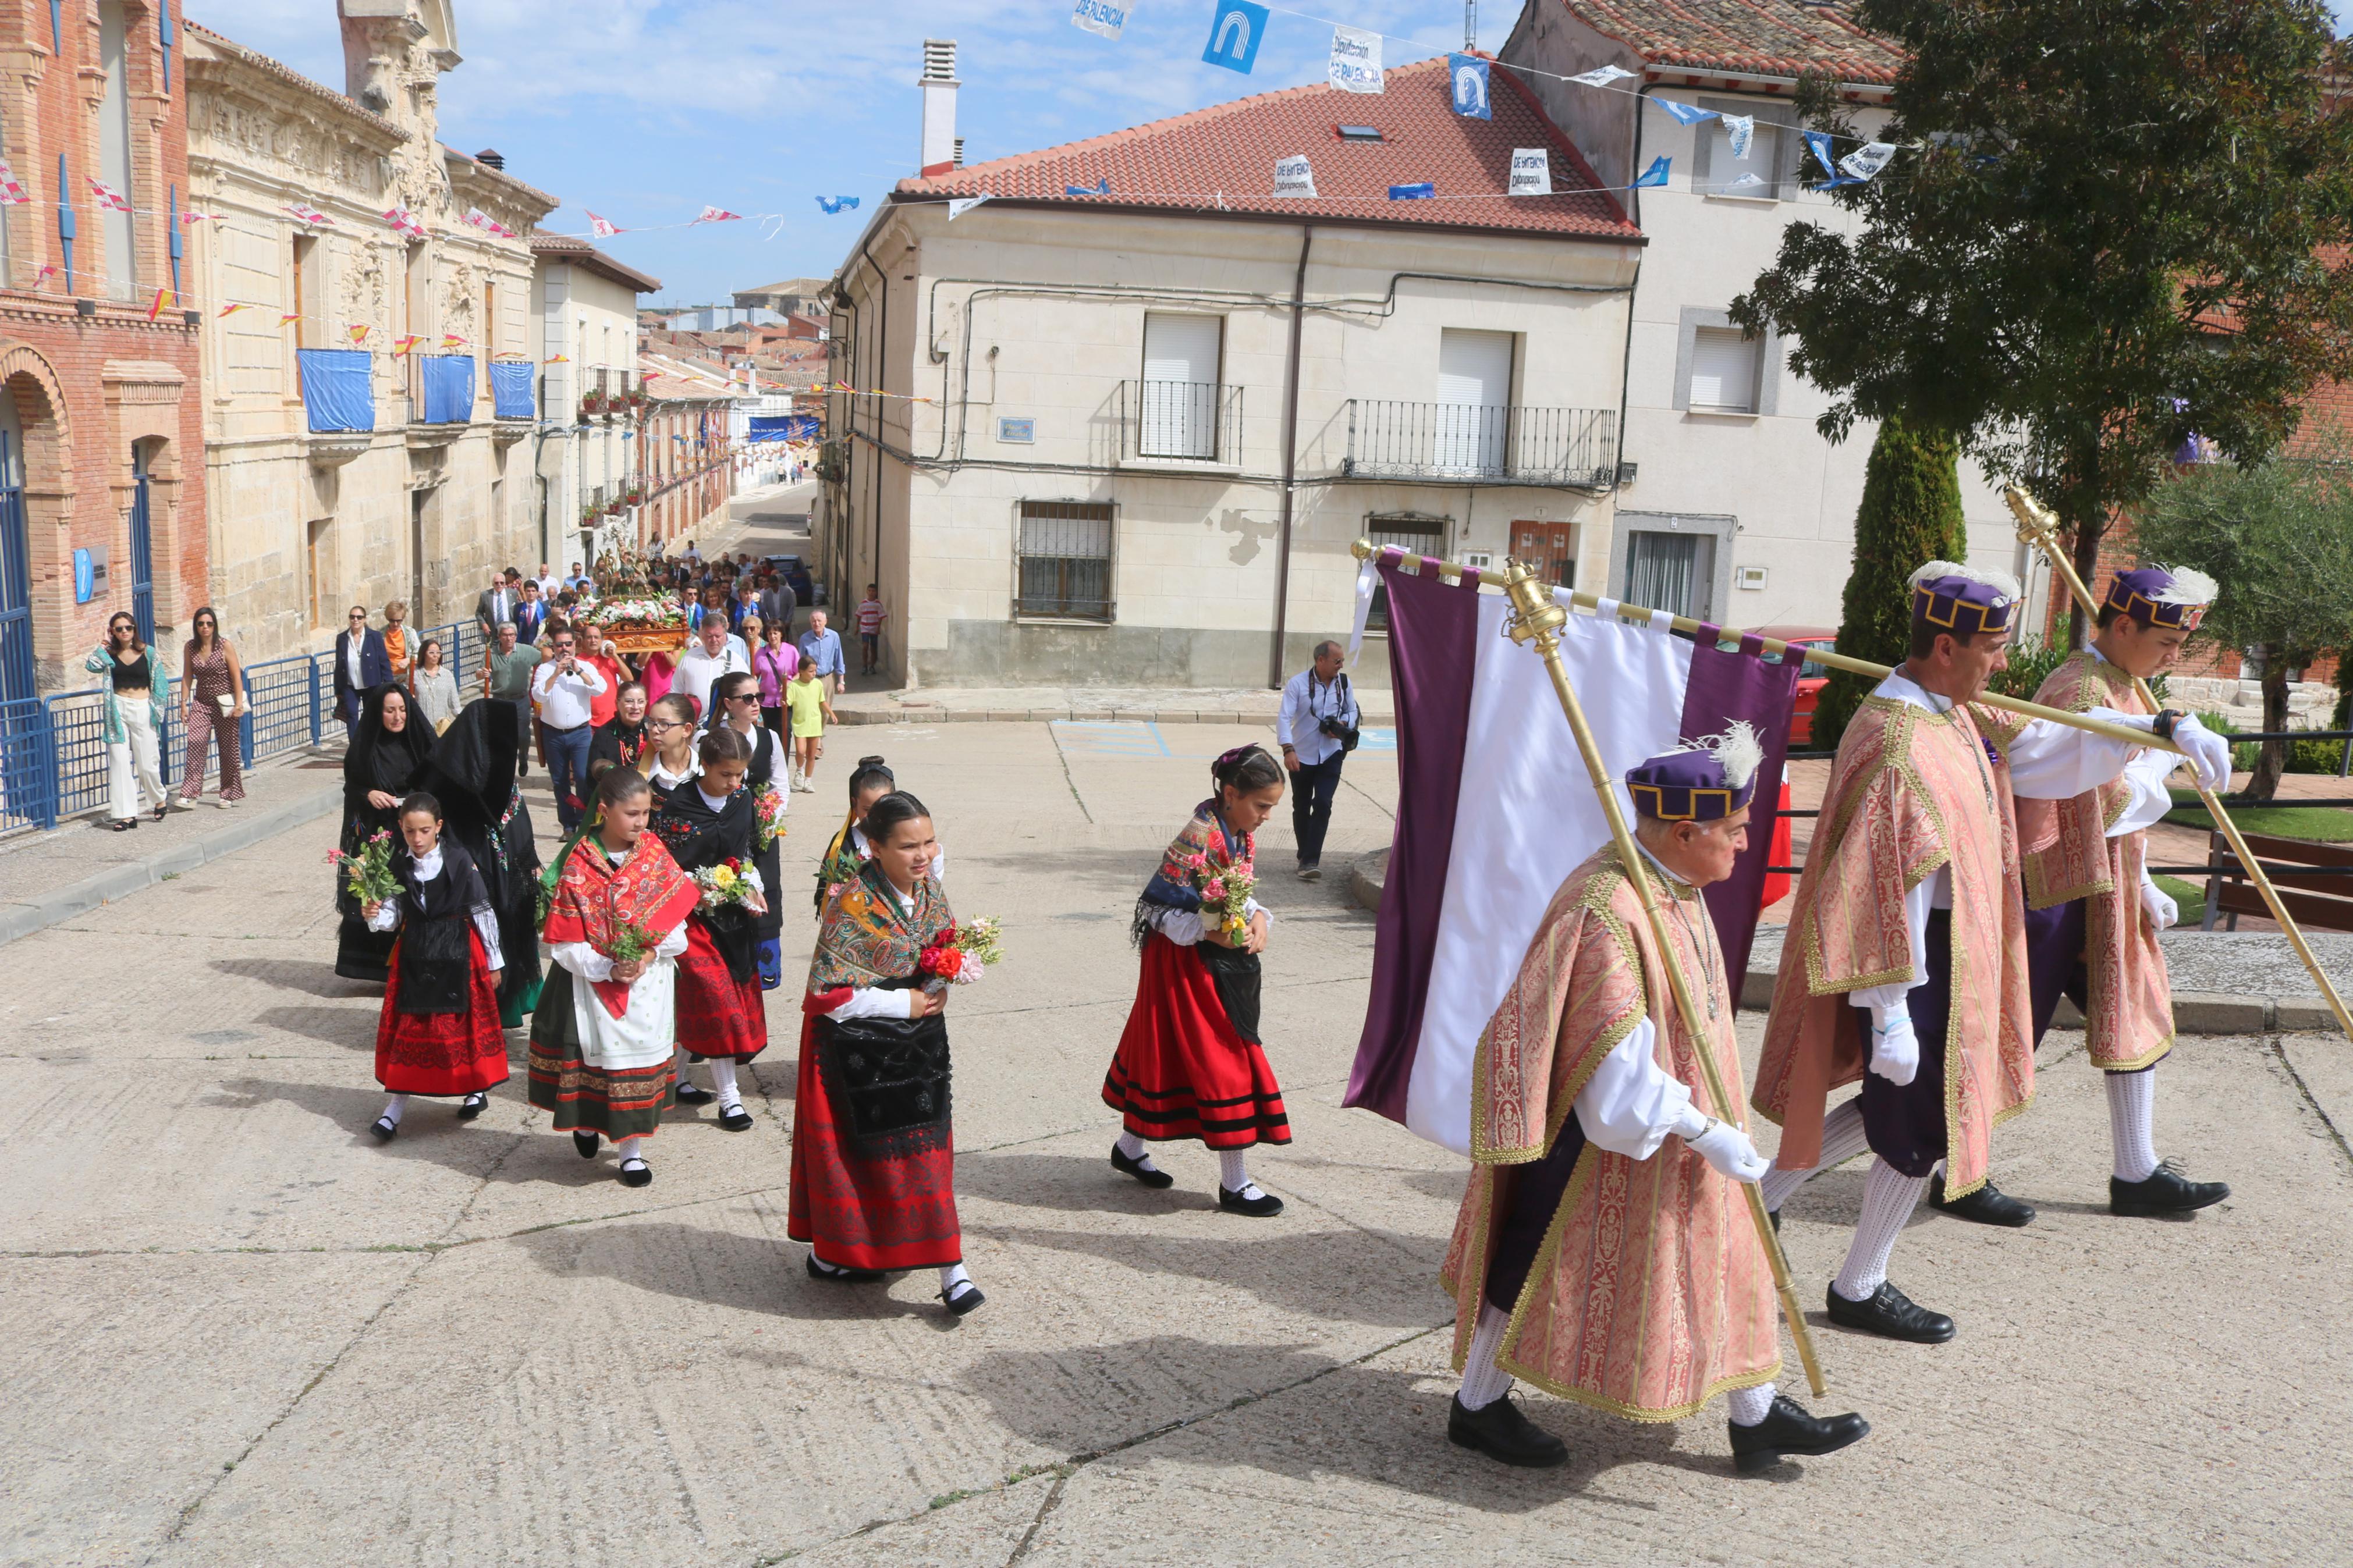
(130, 762)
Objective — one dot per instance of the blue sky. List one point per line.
(645, 111)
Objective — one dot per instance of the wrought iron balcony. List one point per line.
(1180, 421)
(1501, 443)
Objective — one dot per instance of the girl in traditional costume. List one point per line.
(385, 762)
(850, 849)
(472, 772)
(601, 1040)
(1189, 1063)
(670, 728)
(705, 824)
(439, 1031)
(873, 1185)
(735, 705)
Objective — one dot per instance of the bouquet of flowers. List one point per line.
(1225, 893)
(632, 942)
(370, 870)
(729, 882)
(768, 814)
(840, 869)
(978, 942)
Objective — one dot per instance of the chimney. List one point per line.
(939, 84)
(959, 152)
(492, 157)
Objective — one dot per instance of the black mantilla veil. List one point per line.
(392, 763)
(472, 770)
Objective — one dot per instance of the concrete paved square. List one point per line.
(235, 1330)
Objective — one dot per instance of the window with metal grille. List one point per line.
(1065, 559)
(1412, 533)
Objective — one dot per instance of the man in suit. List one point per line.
(498, 603)
(777, 603)
(360, 661)
(530, 615)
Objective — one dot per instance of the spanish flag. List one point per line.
(290, 317)
(452, 341)
(230, 311)
(359, 333)
(402, 345)
(163, 298)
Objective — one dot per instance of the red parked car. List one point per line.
(1811, 680)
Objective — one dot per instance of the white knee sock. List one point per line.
(1843, 1139)
(391, 1112)
(1233, 1173)
(952, 1275)
(1751, 1406)
(1131, 1145)
(680, 1063)
(632, 1149)
(723, 1078)
(2132, 1124)
(1889, 1196)
(1484, 1383)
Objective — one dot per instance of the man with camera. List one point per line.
(565, 689)
(1318, 729)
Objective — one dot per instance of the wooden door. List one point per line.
(1550, 548)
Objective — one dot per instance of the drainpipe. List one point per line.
(882, 348)
(1290, 462)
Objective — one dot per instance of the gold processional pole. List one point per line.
(2038, 527)
(1538, 619)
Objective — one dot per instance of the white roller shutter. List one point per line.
(1180, 385)
(1475, 386)
(1724, 371)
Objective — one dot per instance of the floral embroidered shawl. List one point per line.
(866, 939)
(594, 899)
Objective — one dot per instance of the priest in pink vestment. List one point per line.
(1604, 1251)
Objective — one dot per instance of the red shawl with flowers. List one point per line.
(594, 899)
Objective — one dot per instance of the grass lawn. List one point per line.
(2320, 824)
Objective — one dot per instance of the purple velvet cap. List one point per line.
(1962, 605)
(1686, 786)
(2139, 593)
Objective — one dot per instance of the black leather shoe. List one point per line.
(637, 1173)
(1891, 1313)
(695, 1094)
(385, 1129)
(586, 1143)
(834, 1275)
(967, 1297)
(735, 1120)
(1988, 1205)
(1788, 1429)
(2167, 1192)
(472, 1106)
(1503, 1432)
(1155, 1178)
(1263, 1206)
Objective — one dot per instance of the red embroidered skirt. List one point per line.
(718, 1015)
(1182, 1071)
(442, 1053)
(866, 1213)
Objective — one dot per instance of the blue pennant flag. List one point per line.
(1234, 34)
(1100, 188)
(1656, 174)
(1468, 75)
(1842, 180)
(1421, 193)
(1685, 114)
(836, 204)
(1820, 141)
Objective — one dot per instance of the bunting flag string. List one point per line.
(599, 228)
(1685, 114)
(163, 298)
(108, 196)
(12, 191)
(403, 221)
(838, 203)
(1107, 17)
(718, 215)
(1294, 176)
(1355, 62)
(1467, 75)
(309, 214)
(1236, 29)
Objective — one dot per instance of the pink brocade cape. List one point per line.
(2128, 1022)
(1908, 794)
(1650, 1293)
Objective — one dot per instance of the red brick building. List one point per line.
(100, 432)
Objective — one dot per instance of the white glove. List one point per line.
(2209, 755)
(2158, 905)
(1894, 1049)
(1728, 1150)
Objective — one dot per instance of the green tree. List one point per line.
(2278, 542)
(1911, 513)
(2110, 224)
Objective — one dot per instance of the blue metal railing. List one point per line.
(53, 757)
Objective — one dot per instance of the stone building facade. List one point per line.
(584, 336)
(100, 427)
(421, 502)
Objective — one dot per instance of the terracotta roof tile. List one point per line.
(1223, 158)
(1754, 37)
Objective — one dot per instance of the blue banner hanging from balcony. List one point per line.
(449, 388)
(783, 428)
(511, 389)
(335, 391)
